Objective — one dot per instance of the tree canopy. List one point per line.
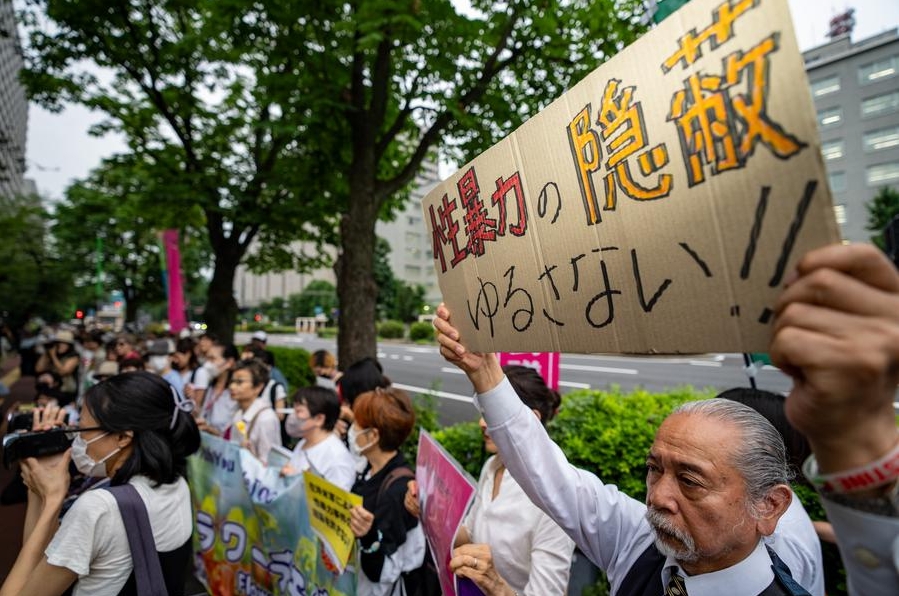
(285, 120)
(881, 211)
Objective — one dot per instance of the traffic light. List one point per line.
(79, 314)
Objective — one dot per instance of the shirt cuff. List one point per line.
(500, 404)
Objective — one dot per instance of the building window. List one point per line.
(830, 117)
(885, 173)
(826, 86)
(885, 138)
(839, 211)
(880, 104)
(837, 181)
(832, 149)
(877, 71)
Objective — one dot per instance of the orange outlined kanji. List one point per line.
(722, 131)
(623, 133)
(622, 122)
(721, 30)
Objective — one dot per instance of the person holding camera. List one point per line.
(138, 432)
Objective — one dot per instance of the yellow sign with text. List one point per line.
(656, 207)
(329, 514)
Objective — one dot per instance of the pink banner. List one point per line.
(445, 491)
(177, 320)
(545, 363)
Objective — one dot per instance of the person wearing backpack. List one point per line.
(391, 542)
(138, 432)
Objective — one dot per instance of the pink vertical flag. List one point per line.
(177, 321)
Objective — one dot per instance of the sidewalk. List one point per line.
(12, 517)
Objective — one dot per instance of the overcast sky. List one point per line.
(60, 150)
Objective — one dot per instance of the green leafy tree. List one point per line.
(881, 211)
(280, 117)
(411, 77)
(33, 280)
(210, 94)
(113, 217)
(317, 293)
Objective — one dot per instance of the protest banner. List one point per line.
(656, 207)
(545, 363)
(329, 513)
(445, 491)
(252, 533)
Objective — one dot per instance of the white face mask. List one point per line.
(213, 370)
(295, 426)
(84, 462)
(159, 363)
(352, 435)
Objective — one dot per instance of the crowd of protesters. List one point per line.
(719, 513)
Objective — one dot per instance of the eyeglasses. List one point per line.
(71, 433)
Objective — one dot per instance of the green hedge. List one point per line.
(609, 432)
(391, 330)
(327, 332)
(294, 363)
(421, 331)
(466, 443)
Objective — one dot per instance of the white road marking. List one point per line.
(394, 357)
(704, 363)
(600, 369)
(452, 371)
(407, 358)
(443, 394)
(421, 350)
(574, 385)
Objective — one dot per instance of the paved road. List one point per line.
(421, 369)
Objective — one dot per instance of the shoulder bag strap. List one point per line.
(147, 570)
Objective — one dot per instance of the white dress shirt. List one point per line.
(529, 550)
(608, 526)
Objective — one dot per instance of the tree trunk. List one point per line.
(357, 292)
(221, 307)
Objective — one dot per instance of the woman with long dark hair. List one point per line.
(136, 431)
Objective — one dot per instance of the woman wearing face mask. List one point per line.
(315, 411)
(254, 425)
(134, 430)
(390, 540)
(217, 408)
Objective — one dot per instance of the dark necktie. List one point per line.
(676, 586)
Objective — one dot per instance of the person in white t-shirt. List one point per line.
(134, 430)
(315, 411)
(254, 425)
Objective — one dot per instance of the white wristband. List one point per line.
(877, 473)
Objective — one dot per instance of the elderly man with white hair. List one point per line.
(717, 475)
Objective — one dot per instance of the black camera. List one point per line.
(19, 445)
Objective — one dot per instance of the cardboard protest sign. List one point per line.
(445, 491)
(545, 363)
(654, 208)
(329, 513)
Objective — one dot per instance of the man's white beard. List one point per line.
(665, 531)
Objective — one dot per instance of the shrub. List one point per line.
(294, 363)
(425, 407)
(466, 443)
(327, 332)
(391, 330)
(609, 432)
(421, 331)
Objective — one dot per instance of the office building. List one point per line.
(855, 87)
(13, 107)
